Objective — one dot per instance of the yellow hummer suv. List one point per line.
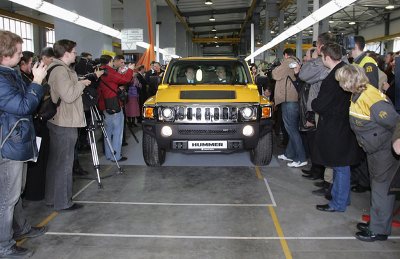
(207, 105)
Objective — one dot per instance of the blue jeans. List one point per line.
(114, 125)
(11, 212)
(290, 116)
(341, 188)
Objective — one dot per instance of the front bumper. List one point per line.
(183, 136)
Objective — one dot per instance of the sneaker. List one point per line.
(283, 157)
(17, 252)
(33, 232)
(297, 164)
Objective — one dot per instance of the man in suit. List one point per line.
(190, 74)
(221, 74)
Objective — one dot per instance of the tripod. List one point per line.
(97, 120)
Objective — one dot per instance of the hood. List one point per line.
(207, 94)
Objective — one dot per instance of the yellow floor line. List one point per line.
(278, 228)
(50, 217)
(41, 224)
(258, 173)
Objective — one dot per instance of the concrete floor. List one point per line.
(202, 212)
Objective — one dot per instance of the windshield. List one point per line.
(207, 72)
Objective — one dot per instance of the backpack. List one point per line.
(47, 108)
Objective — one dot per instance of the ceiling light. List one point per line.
(272, 31)
(217, 46)
(208, 2)
(331, 21)
(215, 37)
(390, 6)
(325, 11)
(63, 14)
(352, 23)
(212, 19)
(213, 29)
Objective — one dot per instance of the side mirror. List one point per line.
(153, 85)
(155, 81)
(261, 82)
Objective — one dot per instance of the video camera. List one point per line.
(347, 43)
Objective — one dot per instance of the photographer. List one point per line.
(18, 101)
(64, 86)
(85, 64)
(286, 95)
(110, 103)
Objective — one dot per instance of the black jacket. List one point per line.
(335, 143)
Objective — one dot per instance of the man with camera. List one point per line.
(111, 103)
(18, 101)
(66, 90)
(286, 95)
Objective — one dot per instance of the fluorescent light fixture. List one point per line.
(212, 19)
(85, 22)
(352, 23)
(328, 9)
(208, 2)
(63, 14)
(330, 21)
(390, 6)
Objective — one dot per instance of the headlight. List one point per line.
(166, 131)
(248, 130)
(167, 113)
(247, 113)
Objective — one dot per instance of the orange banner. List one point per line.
(148, 55)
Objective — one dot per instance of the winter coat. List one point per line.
(18, 101)
(313, 72)
(284, 88)
(335, 143)
(370, 67)
(395, 184)
(64, 84)
(373, 119)
(112, 80)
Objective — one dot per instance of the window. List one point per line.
(21, 28)
(396, 44)
(373, 46)
(50, 38)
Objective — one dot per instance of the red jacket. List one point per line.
(113, 79)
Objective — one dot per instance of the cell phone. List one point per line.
(293, 65)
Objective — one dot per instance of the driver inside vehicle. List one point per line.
(221, 74)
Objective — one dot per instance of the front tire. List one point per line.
(262, 153)
(152, 154)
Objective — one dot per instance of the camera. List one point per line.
(349, 43)
(293, 65)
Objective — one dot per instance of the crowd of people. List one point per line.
(347, 118)
(39, 148)
(337, 109)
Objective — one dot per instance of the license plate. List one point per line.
(207, 145)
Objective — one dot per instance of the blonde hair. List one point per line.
(352, 78)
